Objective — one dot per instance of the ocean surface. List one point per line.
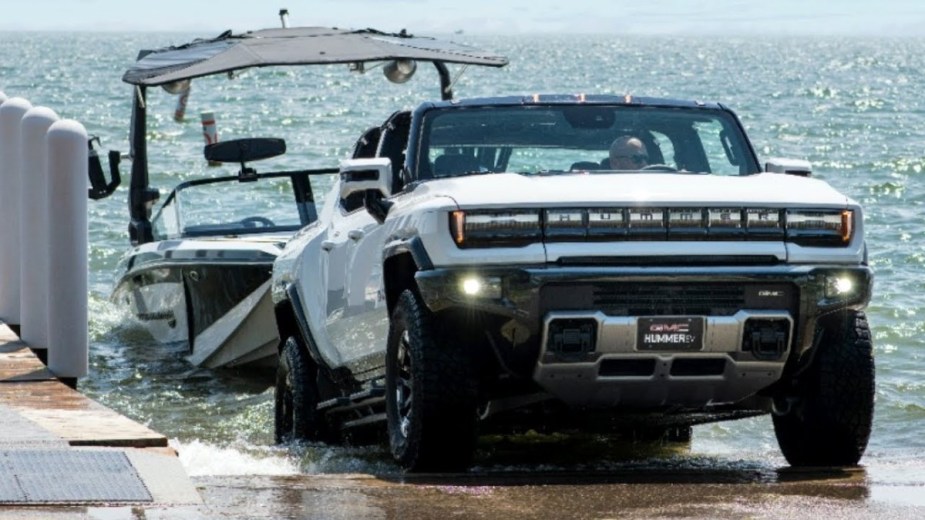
(854, 107)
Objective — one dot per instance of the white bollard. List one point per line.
(11, 113)
(180, 111)
(68, 331)
(33, 328)
(209, 131)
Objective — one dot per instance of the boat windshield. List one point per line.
(551, 139)
(225, 206)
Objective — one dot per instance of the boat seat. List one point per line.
(450, 164)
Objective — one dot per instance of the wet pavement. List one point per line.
(641, 492)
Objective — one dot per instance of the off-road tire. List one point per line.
(431, 392)
(296, 417)
(829, 420)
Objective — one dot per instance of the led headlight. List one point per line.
(475, 286)
(838, 286)
(495, 228)
(820, 227)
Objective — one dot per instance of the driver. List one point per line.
(628, 153)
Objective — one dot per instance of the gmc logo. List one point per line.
(673, 327)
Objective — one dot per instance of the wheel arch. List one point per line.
(291, 322)
(400, 263)
(286, 323)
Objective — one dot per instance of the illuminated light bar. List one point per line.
(606, 223)
(565, 223)
(686, 221)
(764, 223)
(646, 222)
(495, 228)
(510, 220)
(820, 227)
(517, 228)
(724, 218)
(725, 222)
(646, 218)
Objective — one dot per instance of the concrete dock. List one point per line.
(58, 447)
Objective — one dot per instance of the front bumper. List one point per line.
(575, 331)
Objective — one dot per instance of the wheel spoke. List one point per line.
(404, 389)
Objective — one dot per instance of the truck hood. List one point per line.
(637, 189)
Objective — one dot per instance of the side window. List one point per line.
(393, 143)
(364, 148)
(664, 148)
(719, 155)
(366, 145)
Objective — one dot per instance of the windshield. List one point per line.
(225, 206)
(534, 139)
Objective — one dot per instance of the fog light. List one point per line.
(479, 287)
(838, 286)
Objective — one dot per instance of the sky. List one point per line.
(702, 17)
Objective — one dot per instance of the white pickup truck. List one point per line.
(492, 265)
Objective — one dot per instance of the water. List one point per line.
(852, 107)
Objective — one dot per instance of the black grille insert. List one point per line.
(670, 298)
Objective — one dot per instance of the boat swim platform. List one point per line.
(59, 447)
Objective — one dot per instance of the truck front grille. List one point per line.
(668, 299)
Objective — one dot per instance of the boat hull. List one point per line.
(221, 307)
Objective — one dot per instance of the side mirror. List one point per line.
(797, 167)
(245, 150)
(362, 175)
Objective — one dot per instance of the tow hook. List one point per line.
(781, 406)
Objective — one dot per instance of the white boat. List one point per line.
(200, 273)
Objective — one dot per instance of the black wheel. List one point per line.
(828, 421)
(297, 418)
(431, 393)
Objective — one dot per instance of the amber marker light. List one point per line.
(847, 219)
(458, 223)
